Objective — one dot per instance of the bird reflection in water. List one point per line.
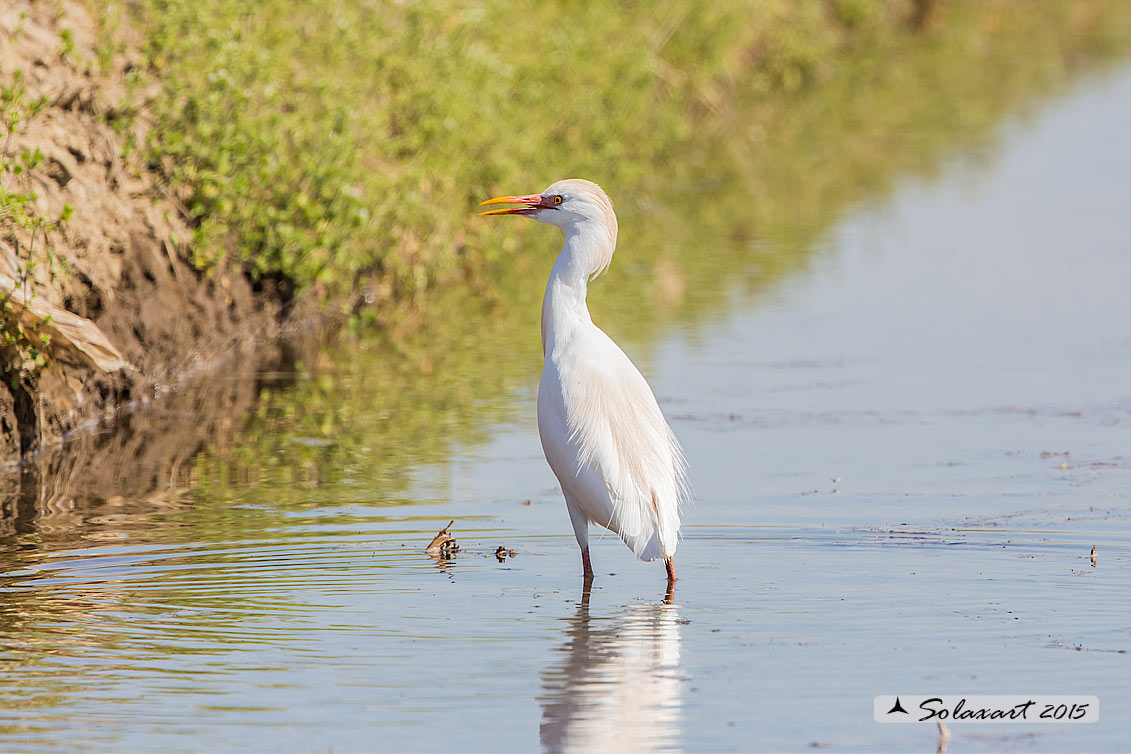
(615, 684)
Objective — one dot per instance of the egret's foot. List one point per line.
(670, 565)
(587, 567)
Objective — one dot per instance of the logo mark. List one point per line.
(897, 707)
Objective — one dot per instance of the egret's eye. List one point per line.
(557, 199)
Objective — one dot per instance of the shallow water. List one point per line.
(903, 453)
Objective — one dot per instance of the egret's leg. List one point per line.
(581, 533)
(670, 565)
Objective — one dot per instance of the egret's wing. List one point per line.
(620, 433)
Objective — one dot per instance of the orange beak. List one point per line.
(533, 202)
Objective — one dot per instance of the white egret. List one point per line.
(617, 460)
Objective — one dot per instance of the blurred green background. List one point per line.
(345, 145)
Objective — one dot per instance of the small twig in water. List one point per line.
(443, 544)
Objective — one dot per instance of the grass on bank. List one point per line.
(337, 142)
(345, 144)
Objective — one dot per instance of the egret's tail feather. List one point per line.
(651, 546)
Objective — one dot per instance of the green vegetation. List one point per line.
(347, 143)
(340, 142)
(27, 232)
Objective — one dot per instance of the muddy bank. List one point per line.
(125, 313)
(142, 460)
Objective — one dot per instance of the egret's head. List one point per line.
(578, 207)
(571, 204)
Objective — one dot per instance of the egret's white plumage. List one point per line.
(618, 462)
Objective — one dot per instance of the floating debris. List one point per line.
(443, 545)
(1055, 454)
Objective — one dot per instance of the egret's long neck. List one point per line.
(587, 250)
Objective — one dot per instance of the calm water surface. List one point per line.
(903, 454)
